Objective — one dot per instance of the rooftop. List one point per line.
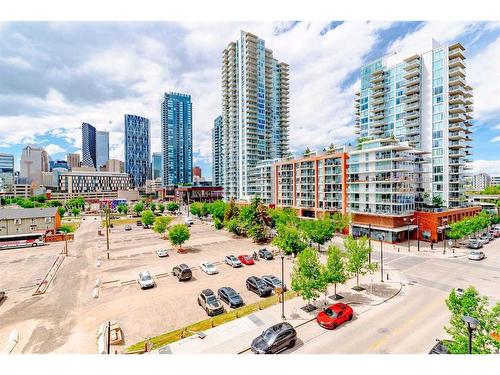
(24, 213)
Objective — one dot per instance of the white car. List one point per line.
(476, 255)
(145, 280)
(208, 268)
(162, 253)
(232, 261)
(188, 221)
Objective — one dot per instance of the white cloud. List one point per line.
(53, 149)
(491, 167)
(495, 139)
(17, 62)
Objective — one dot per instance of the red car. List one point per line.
(246, 260)
(334, 315)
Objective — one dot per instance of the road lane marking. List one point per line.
(406, 323)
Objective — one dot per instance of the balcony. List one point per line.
(413, 89)
(412, 62)
(457, 99)
(457, 62)
(412, 115)
(457, 80)
(456, 135)
(412, 99)
(412, 106)
(377, 101)
(412, 81)
(457, 52)
(377, 76)
(456, 108)
(378, 94)
(412, 73)
(456, 144)
(457, 71)
(456, 117)
(411, 123)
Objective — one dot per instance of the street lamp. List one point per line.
(418, 235)
(445, 221)
(282, 255)
(381, 238)
(472, 324)
(370, 242)
(408, 221)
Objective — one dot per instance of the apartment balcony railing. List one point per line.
(456, 53)
(458, 61)
(456, 117)
(456, 108)
(457, 80)
(456, 71)
(457, 99)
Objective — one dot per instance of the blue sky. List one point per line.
(56, 75)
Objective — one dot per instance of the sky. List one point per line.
(56, 75)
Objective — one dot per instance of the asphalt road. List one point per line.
(410, 323)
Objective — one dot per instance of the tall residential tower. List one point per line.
(217, 176)
(422, 97)
(88, 146)
(102, 148)
(177, 138)
(137, 149)
(255, 92)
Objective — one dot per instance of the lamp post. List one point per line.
(418, 235)
(282, 255)
(445, 221)
(408, 221)
(472, 324)
(381, 238)
(370, 243)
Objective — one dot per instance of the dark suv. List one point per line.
(258, 286)
(210, 303)
(183, 272)
(275, 339)
(229, 295)
(265, 254)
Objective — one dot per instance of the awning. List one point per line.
(394, 230)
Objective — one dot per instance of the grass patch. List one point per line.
(70, 226)
(122, 221)
(173, 336)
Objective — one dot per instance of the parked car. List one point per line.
(232, 261)
(208, 268)
(162, 253)
(474, 244)
(335, 315)
(494, 233)
(229, 296)
(258, 286)
(439, 348)
(459, 292)
(476, 255)
(145, 280)
(265, 254)
(182, 272)
(2, 296)
(138, 223)
(247, 260)
(188, 221)
(128, 227)
(209, 302)
(485, 237)
(273, 282)
(275, 339)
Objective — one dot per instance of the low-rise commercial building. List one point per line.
(19, 221)
(92, 181)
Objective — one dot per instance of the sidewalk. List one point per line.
(236, 336)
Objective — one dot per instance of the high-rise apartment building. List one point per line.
(137, 149)
(102, 148)
(34, 161)
(481, 181)
(6, 171)
(88, 145)
(177, 138)
(255, 92)
(73, 160)
(422, 97)
(217, 176)
(156, 167)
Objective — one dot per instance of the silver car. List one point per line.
(145, 280)
(232, 261)
(476, 255)
(208, 268)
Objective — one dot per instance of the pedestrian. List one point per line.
(432, 245)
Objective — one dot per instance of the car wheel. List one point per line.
(350, 317)
(291, 345)
(199, 304)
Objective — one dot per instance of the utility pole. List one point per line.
(370, 242)
(107, 229)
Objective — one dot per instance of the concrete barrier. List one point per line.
(13, 340)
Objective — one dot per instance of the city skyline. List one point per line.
(317, 67)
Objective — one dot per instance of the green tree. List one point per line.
(471, 303)
(178, 234)
(54, 203)
(147, 218)
(357, 253)
(67, 228)
(172, 206)
(216, 209)
(152, 206)
(218, 224)
(306, 275)
(61, 211)
(437, 201)
(335, 272)
(233, 226)
(75, 211)
(198, 209)
(318, 231)
(77, 202)
(258, 233)
(231, 211)
(138, 208)
(283, 216)
(161, 207)
(161, 224)
(289, 239)
(122, 208)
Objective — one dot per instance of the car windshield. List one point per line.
(233, 258)
(246, 257)
(146, 277)
(209, 265)
(275, 281)
(330, 313)
(268, 335)
(260, 283)
(212, 300)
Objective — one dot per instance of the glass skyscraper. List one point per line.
(156, 165)
(88, 145)
(102, 148)
(6, 171)
(217, 176)
(177, 139)
(421, 97)
(255, 92)
(137, 149)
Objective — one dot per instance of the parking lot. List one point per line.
(171, 304)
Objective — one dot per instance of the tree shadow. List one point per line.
(356, 298)
(382, 290)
